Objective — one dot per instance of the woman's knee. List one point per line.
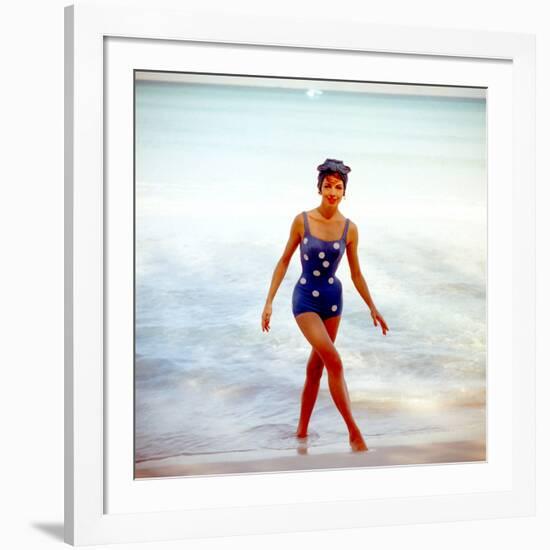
(315, 366)
(333, 362)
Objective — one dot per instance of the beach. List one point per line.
(421, 448)
(214, 394)
(303, 459)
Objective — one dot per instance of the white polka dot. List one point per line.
(316, 273)
(334, 308)
(303, 281)
(336, 245)
(331, 280)
(305, 240)
(321, 255)
(306, 257)
(326, 263)
(315, 293)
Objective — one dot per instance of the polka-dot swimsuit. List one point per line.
(318, 289)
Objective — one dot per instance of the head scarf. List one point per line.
(330, 166)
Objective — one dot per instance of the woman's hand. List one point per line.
(377, 318)
(266, 316)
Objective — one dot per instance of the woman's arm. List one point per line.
(358, 279)
(281, 269)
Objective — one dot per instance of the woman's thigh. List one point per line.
(319, 334)
(332, 324)
(315, 363)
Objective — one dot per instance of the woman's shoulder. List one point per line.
(353, 231)
(298, 221)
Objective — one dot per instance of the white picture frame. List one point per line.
(103, 504)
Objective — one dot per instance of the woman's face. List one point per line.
(332, 189)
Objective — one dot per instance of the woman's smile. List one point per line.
(333, 189)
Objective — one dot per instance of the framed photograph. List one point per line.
(238, 196)
(422, 150)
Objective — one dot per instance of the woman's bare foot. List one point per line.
(357, 442)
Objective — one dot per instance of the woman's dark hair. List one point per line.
(333, 167)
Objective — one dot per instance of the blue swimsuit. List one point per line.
(318, 289)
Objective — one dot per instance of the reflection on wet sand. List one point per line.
(379, 456)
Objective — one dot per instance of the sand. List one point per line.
(302, 458)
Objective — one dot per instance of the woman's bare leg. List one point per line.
(316, 333)
(314, 372)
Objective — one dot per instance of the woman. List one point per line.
(323, 233)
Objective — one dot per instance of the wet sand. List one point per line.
(302, 458)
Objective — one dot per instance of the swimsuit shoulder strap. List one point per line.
(346, 229)
(306, 224)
